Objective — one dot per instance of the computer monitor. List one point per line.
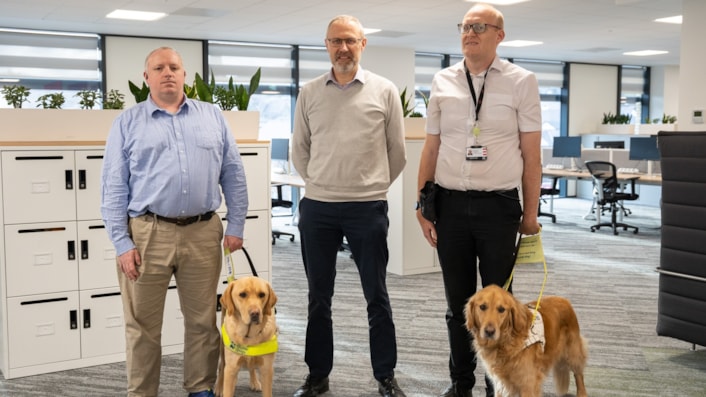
(644, 148)
(567, 146)
(280, 155)
(609, 145)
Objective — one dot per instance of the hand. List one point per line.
(428, 229)
(232, 243)
(129, 263)
(529, 226)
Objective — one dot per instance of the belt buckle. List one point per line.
(184, 221)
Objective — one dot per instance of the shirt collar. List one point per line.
(359, 76)
(495, 65)
(152, 106)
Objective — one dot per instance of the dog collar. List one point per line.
(260, 349)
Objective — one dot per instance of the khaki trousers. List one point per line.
(193, 255)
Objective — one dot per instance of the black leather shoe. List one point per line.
(312, 387)
(389, 388)
(455, 391)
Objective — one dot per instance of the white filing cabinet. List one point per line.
(60, 305)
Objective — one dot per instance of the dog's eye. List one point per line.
(243, 294)
(261, 295)
(483, 306)
(501, 309)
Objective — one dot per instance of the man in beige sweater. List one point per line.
(348, 146)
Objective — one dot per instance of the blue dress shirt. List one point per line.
(171, 165)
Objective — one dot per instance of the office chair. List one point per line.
(609, 193)
(549, 189)
(280, 152)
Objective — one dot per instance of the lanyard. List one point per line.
(479, 101)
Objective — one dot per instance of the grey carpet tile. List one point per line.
(611, 281)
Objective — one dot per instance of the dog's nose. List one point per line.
(489, 332)
(255, 317)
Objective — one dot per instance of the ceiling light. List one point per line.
(520, 43)
(370, 30)
(675, 19)
(136, 15)
(645, 53)
(498, 2)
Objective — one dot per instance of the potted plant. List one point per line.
(113, 100)
(616, 124)
(15, 95)
(652, 127)
(51, 101)
(414, 124)
(140, 93)
(88, 98)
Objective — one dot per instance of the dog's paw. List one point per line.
(255, 384)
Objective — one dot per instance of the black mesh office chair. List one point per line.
(280, 152)
(610, 193)
(548, 189)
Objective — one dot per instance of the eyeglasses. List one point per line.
(478, 28)
(350, 42)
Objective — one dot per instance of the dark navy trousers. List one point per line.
(322, 226)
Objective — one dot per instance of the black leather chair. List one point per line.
(548, 189)
(609, 193)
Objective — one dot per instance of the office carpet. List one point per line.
(610, 280)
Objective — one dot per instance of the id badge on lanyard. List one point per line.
(475, 151)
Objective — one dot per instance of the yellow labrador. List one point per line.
(249, 335)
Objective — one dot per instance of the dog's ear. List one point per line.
(227, 303)
(469, 312)
(271, 300)
(520, 322)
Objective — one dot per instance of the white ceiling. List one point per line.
(593, 31)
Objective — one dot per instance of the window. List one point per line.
(633, 83)
(425, 66)
(550, 76)
(273, 99)
(50, 62)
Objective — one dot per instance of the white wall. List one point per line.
(396, 64)
(125, 60)
(593, 90)
(692, 84)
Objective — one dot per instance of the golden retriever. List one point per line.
(250, 330)
(501, 325)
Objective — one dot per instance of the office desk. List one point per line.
(645, 179)
(296, 182)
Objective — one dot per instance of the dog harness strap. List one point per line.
(267, 347)
(536, 332)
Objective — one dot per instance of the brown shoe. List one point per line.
(389, 388)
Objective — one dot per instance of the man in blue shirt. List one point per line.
(164, 161)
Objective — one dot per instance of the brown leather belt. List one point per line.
(187, 220)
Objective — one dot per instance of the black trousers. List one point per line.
(322, 226)
(477, 233)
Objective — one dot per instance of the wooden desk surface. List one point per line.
(654, 179)
(286, 179)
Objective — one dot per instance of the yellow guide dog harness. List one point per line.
(260, 349)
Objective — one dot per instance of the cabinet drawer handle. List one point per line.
(84, 249)
(71, 248)
(82, 179)
(73, 319)
(69, 175)
(86, 318)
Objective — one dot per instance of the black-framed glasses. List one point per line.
(477, 28)
(350, 42)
